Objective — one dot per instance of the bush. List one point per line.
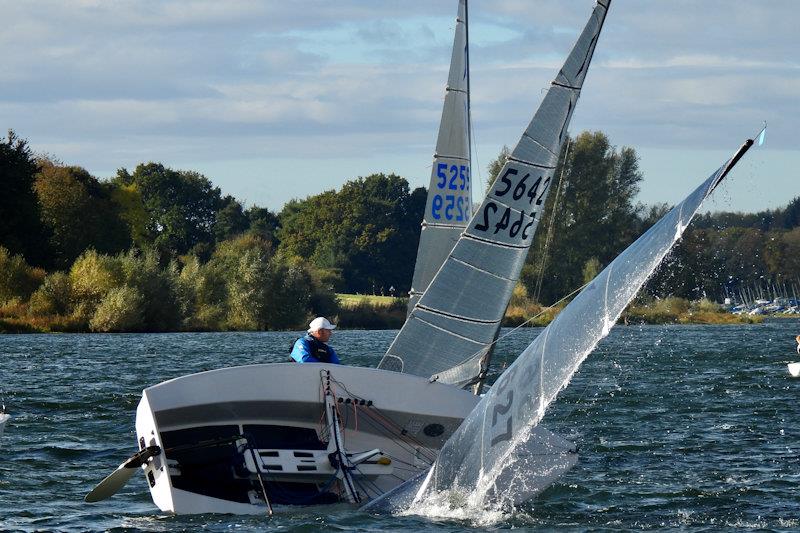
(157, 287)
(122, 309)
(17, 278)
(53, 297)
(92, 275)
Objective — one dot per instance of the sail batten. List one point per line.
(478, 274)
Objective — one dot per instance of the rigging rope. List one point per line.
(551, 225)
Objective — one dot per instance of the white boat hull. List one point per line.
(3, 419)
(281, 409)
(794, 369)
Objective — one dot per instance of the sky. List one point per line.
(275, 99)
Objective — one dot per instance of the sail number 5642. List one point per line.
(535, 193)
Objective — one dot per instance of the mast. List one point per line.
(469, 93)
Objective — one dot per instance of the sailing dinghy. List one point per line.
(794, 369)
(238, 440)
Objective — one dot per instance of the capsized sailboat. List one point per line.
(238, 440)
(487, 457)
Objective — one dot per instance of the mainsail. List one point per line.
(480, 456)
(451, 328)
(449, 205)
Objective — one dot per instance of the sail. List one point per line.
(480, 455)
(449, 205)
(451, 328)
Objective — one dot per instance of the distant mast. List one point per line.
(449, 205)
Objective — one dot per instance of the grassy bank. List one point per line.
(359, 311)
(680, 311)
(356, 311)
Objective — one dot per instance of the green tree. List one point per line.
(496, 166)
(181, 205)
(79, 213)
(231, 219)
(594, 215)
(264, 223)
(369, 230)
(21, 229)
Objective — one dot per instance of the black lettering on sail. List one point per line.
(500, 409)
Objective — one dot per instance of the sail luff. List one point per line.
(449, 204)
(479, 452)
(454, 323)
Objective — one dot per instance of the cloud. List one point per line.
(110, 82)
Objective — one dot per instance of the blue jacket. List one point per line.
(310, 350)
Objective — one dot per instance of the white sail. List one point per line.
(451, 328)
(449, 205)
(480, 456)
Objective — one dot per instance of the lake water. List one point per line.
(678, 427)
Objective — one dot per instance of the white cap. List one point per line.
(320, 323)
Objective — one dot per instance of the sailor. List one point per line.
(312, 348)
(798, 343)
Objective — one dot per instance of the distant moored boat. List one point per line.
(3, 419)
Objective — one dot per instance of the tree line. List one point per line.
(159, 249)
(591, 216)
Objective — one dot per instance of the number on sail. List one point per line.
(485, 225)
(503, 224)
(506, 181)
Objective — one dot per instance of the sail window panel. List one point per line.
(452, 139)
(464, 373)
(499, 260)
(478, 332)
(533, 152)
(467, 292)
(437, 241)
(549, 124)
(577, 63)
(428, 349)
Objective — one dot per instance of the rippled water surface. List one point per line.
(678, 427)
